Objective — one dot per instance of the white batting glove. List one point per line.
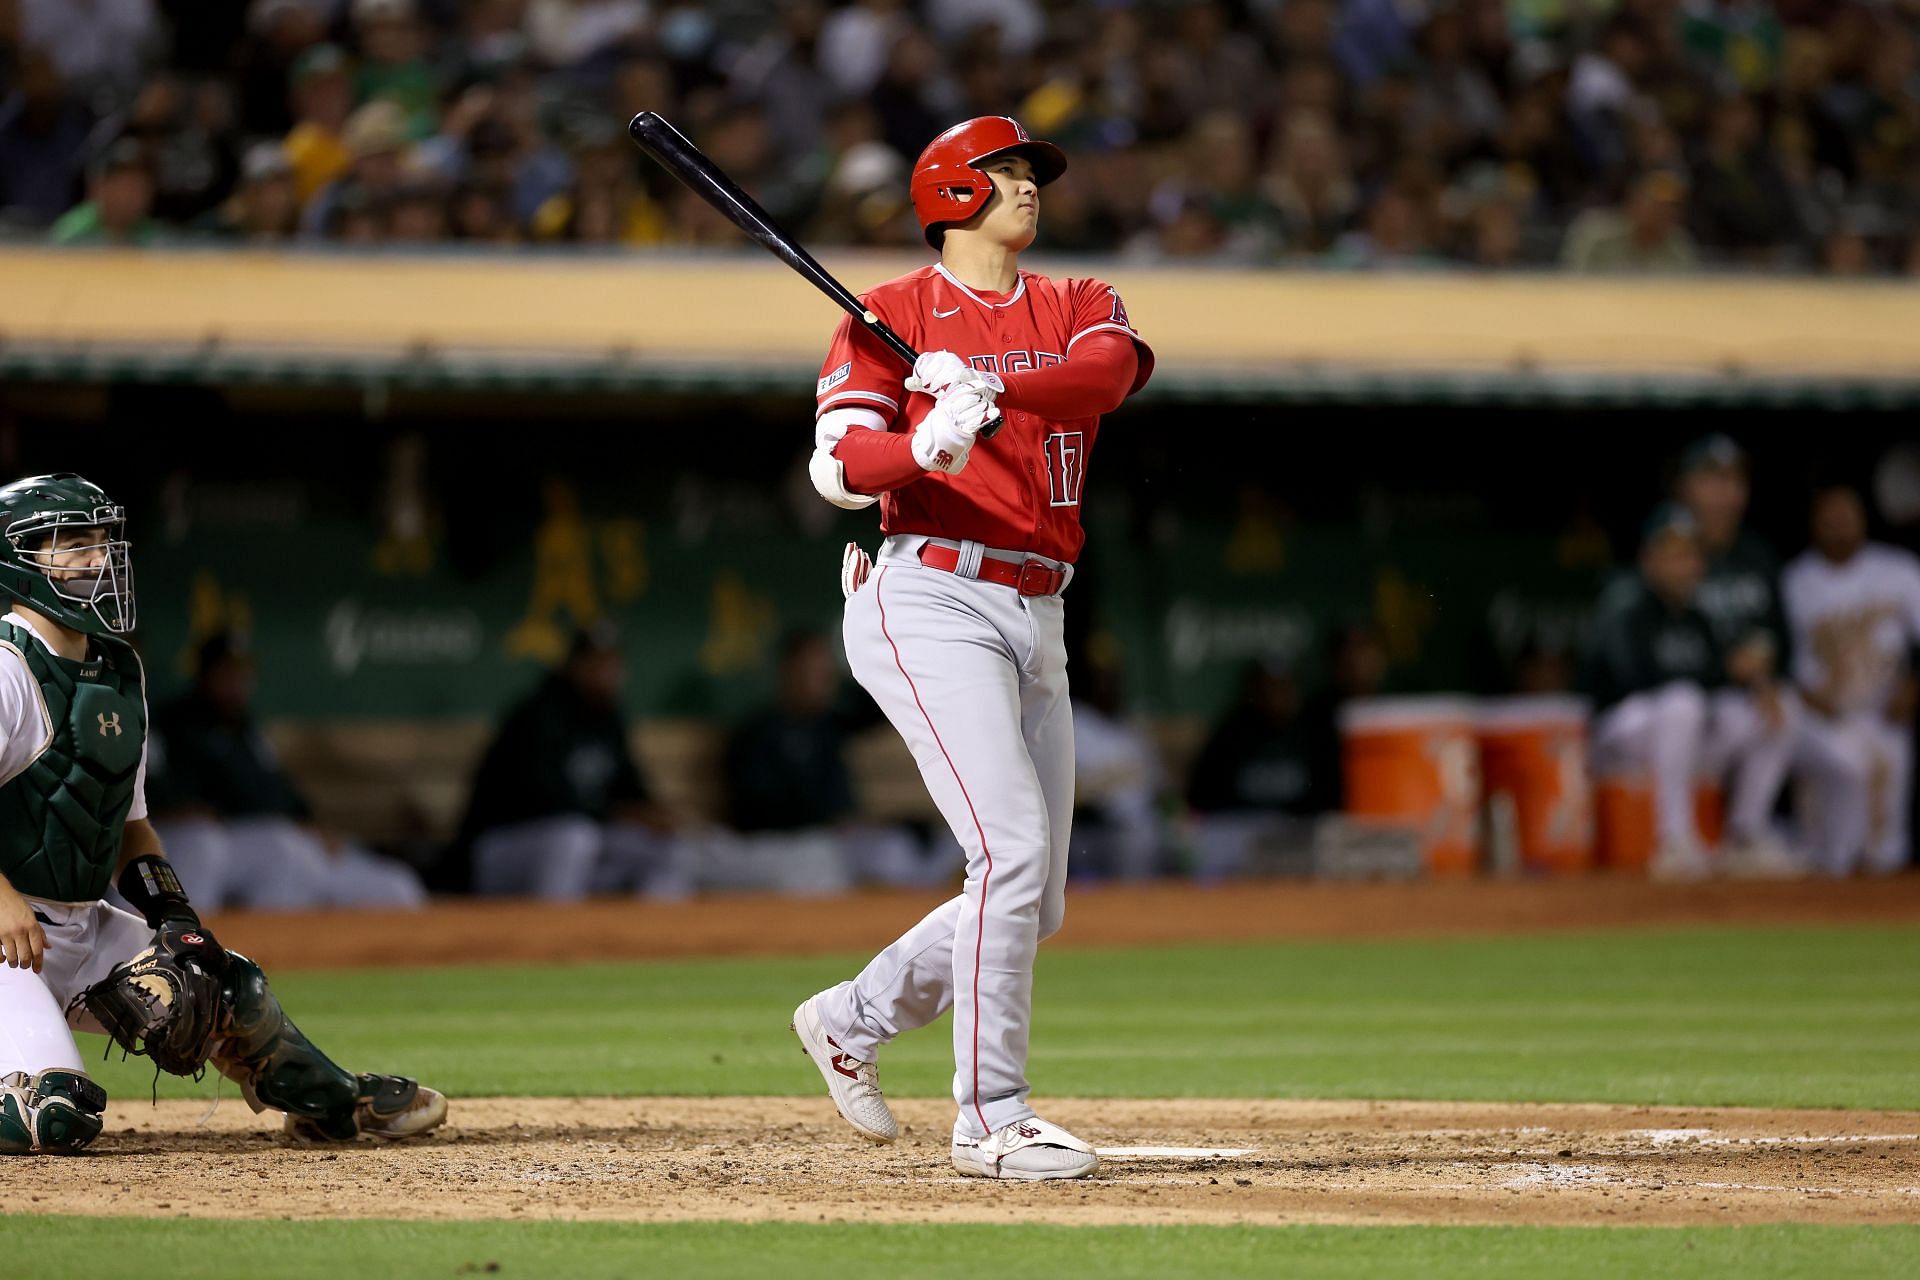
(938, 372)
(945, 436)
(935, 371)
(855, 565)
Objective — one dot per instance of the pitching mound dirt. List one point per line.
(651, 1159)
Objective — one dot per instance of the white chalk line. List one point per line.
(1173, 1153)
(1706, 1138)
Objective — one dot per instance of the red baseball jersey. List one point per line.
(1020, 490)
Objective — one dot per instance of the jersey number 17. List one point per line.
(1066, 467)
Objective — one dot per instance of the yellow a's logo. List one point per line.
(109, 723)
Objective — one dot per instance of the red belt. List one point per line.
(1029, 577)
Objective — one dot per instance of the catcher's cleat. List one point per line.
(855, 1085)
(387, 1107)
(1026, 1150)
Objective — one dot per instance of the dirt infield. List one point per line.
(751, 1159)
(466, 932)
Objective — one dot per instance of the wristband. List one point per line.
(149, 883)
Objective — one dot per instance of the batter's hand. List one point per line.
(22, 941)
(945, 437)
(939, 373)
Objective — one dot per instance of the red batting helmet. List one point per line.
(948, 186)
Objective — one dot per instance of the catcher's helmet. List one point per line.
(44, 521)
(948, 186)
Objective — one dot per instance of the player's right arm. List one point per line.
(858, 399)
(23, 943)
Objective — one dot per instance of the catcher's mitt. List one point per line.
(165, 1007)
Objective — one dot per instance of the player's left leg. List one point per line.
(1751, 742)
(278, 1068)
(1046, 722)
(1890, 787)
(362, 878)
(261, 1050)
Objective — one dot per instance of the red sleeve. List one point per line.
(878, 461)
(859, 373)
(1094, 307)
(1096, 377)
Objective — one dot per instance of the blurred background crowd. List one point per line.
(1599, 135)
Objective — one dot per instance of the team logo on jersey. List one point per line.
(109, 724)
(835, 378)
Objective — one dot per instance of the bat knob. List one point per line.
(993, 426)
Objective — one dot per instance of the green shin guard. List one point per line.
(276, 1066)
(57, 1112)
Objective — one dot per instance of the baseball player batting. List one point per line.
(955, 628)
(73, 819)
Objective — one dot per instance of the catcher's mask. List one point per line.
(64, 552)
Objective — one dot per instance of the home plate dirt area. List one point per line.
(652, 1159)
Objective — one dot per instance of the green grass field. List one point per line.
(1827, 1018)
(1790, 1017)
(138, 1249)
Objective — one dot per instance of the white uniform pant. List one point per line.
(1677, 734)
(974, 677)
(275, 864)
(1859, 808)
(566, 857)
(84, 941)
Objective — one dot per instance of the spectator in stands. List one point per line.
(1594, 120)
(790, 793)
(376, 144)
(236, 826)
(393, 63)
(43, 146)
(187, 133)
(322, 95)
(1310, 183)
(1119, 823)
(119, 201)
(265, 210)
(1653, 662)
(1642, 237)
(560, 808)
(1265, 771)
(99, 47)
(1854, 606)
(1741, 205)
(281, 32)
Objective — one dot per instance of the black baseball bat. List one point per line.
(707, 180)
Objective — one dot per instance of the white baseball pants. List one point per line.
(84, 941)
(974, 676)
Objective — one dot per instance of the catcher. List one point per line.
(73, 734)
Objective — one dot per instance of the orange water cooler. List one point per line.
(1414, 762)
(1533, 764)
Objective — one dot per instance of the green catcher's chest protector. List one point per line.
(62, 817)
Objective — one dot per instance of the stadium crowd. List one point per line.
(1603, 135)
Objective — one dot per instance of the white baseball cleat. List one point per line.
(1677, 861)
(1026, 1150)
(1763, 858)
(855, 1085)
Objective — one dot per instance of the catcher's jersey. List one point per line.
(63, 809)
(1021, 490)
(1853, 623)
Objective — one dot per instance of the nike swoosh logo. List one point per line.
(938, 314)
